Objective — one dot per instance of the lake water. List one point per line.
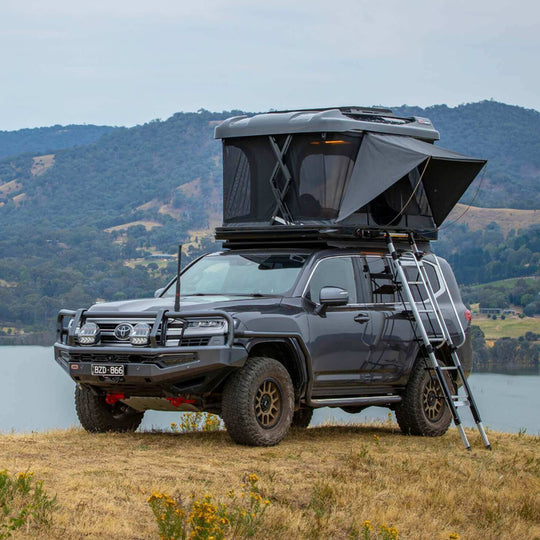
(37, 395)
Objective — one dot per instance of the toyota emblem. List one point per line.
(123, 331)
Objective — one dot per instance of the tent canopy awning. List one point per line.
(384, 159)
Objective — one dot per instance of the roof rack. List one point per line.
(342, 174)
(313, 236)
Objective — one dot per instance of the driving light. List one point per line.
(88, 334)
(139, 334)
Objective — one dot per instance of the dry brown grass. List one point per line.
(507, 218)
(147, 224)
(191, 189)
(41, 164)
(10, 187)
(321, 481)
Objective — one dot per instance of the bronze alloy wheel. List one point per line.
(268, 404)
(258, 402)
(432, 400)
(423, 409)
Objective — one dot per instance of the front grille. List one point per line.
(174, 333)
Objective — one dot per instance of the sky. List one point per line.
(126, 62)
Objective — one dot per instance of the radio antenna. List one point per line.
(177, 293)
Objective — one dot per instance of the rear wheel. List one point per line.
(302, 417)
(258, 403)
(97, 416)
(423, 410)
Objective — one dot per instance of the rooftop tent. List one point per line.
(384, 160)
(345, 168)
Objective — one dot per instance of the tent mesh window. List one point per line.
(319, 163)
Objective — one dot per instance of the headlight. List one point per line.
(139, 334)
(88, 334)
(206, 323)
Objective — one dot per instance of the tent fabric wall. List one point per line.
(384, 159)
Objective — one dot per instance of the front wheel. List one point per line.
(258, 403)
(423, 410)
(97, 416)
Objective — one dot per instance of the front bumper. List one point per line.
(150, 368)
(154, 370)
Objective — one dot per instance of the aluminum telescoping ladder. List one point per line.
(433, 314)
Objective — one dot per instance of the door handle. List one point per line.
(362, 318)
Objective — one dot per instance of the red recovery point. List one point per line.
(177, 401)
(111, 399)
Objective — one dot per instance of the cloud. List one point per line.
(123, 62)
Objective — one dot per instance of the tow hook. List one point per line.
(111, 399)
(177, 401)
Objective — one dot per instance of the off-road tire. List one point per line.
(302, 417)
(258, 403)
(423, 410)
(97, 416)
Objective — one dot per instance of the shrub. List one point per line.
(197, 421)
(23, 502)
(204, 519)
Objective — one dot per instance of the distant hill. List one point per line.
(71, 217)
(47, 139)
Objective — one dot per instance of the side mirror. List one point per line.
(331, 296)
(159, 292)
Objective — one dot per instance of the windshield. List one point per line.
(239, 274)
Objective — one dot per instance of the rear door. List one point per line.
(393, 346)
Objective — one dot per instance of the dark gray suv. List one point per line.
(263, 337)
(305, 308)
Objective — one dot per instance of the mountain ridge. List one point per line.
(65, 240)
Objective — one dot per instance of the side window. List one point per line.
(333, 272)
(413, 275)
(379, 276)
(433, 277)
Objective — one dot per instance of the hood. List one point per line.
(231, 304)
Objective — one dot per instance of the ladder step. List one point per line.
(448, 368)
(415, 282)
(462, 403)
(426, 311)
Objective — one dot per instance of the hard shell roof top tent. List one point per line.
(338, 172)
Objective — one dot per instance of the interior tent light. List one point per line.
(140, 334)
(315, 143)
(88, 334)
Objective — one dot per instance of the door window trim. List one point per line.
(357, 277)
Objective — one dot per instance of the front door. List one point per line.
(341, 338)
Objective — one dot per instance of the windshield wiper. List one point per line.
(255, 295)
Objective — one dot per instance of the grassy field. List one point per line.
(321, 482)
(513, 327)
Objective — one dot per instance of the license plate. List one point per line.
(108, 370)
